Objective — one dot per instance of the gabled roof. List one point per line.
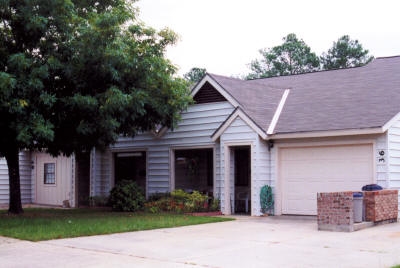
(356, 100)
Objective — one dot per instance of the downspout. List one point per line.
(270, 146)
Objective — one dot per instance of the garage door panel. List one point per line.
(335, 169)
(308, 170)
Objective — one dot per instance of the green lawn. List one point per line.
(38, 224)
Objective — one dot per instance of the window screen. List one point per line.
(49, 173)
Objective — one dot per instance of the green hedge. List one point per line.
(180, 201)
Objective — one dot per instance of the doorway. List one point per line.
(83, 178)
(131, 166)
(242, 178)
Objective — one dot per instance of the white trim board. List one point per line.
(242, 115)
(278, 112)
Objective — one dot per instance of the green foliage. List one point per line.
(179, 201)
(195, 74)
(266, 199)
(127, 196)
(345, 53)
(294, 56)
(215, 204)
(77, 74)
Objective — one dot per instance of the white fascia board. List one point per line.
(245, 118)
(391, 122)
(218, 87)
(329, 133)
(278, 112)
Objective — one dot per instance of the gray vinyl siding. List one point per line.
(393, 156)
(263, 169)
(25, 168)
(25, 171)
(4, 188)
(382, 161)
(194, 130)
(100, 175)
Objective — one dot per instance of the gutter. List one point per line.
(328, 133)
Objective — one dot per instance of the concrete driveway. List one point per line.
(246, 242)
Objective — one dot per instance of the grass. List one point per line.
(37, 224)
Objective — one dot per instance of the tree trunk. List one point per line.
(15, 205)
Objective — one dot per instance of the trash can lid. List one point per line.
(371, 187)
(357, 194)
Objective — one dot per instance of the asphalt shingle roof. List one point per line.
(354, 98)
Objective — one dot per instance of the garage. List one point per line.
(305, 171)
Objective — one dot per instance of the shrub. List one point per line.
(157, 196)
(179, 201)
(127, 196)
(180, 195)
(215, 205)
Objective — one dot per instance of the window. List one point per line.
(49, 173)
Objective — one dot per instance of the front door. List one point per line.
(53, 180)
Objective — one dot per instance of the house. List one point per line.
(301, 134)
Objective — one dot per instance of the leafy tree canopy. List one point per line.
(345, 53)
(195, 74)
(77, 74)
(294, 56)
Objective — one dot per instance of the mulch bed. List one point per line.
(211, 213)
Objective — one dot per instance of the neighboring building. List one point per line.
(302, 134)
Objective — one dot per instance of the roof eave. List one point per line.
(328, 133)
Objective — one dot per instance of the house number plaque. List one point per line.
(381, 157)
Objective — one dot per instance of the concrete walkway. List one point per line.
(246, 242)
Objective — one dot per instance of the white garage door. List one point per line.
(306, 171)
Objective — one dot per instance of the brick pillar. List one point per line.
(381, 206)
(335, 211)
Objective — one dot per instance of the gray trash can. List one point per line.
(358, 206)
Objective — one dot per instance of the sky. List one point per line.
(224, 36)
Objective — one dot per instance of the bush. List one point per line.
(127, 196)
(179, 201)
(157, 196)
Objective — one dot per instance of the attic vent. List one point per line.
(207, 94)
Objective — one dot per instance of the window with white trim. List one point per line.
(49, 173)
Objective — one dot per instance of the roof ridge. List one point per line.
(331, 70)
(387, 57)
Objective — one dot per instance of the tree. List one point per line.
(292, 57)
(75, 75)
(195, 74)
(345, 53)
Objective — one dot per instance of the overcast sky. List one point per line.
(224, 36)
